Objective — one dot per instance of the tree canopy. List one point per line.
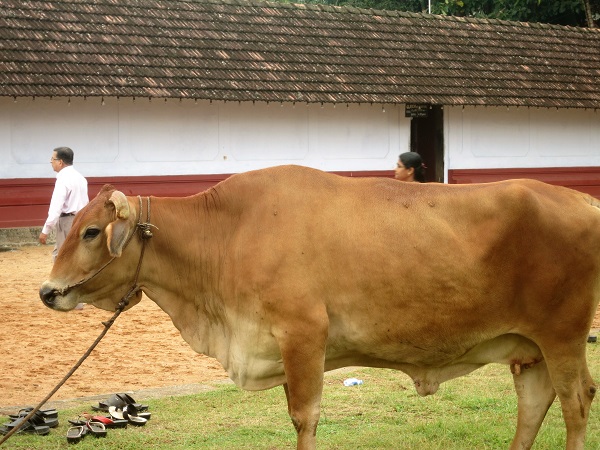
(560, 12)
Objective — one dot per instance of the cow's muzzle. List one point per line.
(48, 296)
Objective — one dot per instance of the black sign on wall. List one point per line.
(417, 110)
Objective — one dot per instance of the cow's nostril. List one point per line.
(47, 295)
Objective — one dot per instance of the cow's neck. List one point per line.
(180, 272)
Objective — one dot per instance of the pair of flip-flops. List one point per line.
(123, 407)
(129, 413)
(108, 422)
(119, 401)
(81, 429)
(40, 423)
(45, 413)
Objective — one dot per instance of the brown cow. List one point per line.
(284, 273)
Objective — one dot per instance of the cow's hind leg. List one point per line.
(574, 386)
(535, 395)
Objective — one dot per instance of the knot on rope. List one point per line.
(145, 231)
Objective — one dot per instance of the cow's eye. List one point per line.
(91, 233)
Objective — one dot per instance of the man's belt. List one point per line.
(67, 214)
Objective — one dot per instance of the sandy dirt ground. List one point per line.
(142, 350)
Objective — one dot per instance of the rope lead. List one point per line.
(145, 235)
(107, 325)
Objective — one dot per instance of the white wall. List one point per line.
(142, 137)
(127, 138)
(487, 137)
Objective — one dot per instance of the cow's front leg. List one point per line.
(305, 422)
(304, 407)
(304, 363)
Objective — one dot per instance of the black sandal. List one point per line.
(119, 401)
(96, 428)
(76, 434)
(28, 427)
(46, 413)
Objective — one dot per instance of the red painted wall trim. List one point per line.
(24, 202)
(584, 179)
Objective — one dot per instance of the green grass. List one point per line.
(476, 411)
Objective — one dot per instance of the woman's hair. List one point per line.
(413, 159)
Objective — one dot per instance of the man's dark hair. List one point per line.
(65, 154)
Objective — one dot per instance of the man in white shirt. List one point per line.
(69, 196)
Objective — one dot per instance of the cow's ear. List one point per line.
(117, 233)
(118, 230)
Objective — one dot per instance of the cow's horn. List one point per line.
(118, 199)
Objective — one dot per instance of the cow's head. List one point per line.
(93, 265)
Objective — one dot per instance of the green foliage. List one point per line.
(563, 12)
(560, 12)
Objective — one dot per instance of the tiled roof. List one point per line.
(238, 50)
